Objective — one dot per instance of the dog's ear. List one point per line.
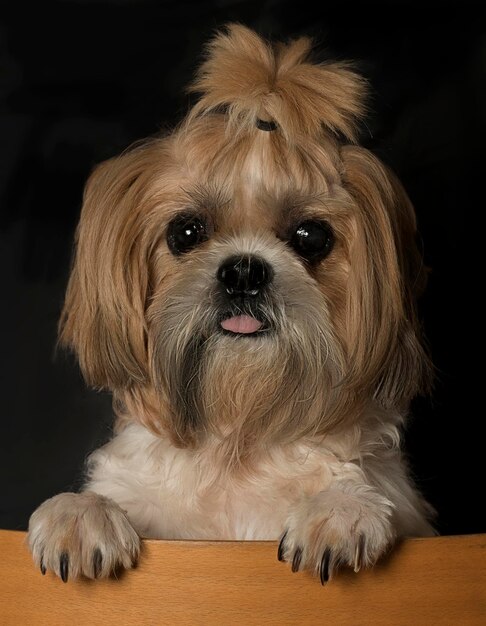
(386, 277)
(255, 80)
(103, 315)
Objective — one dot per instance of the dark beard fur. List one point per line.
(252, 390)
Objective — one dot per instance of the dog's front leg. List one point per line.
(350, 524)
(74, 534)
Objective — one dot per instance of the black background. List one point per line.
(80, 81)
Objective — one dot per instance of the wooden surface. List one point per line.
(425, 581)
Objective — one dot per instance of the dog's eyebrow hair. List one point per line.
(296, 202)
(207, 197)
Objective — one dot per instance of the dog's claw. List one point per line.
(64, 567)
(359, 553)
(296, 560)
(42, 566)
(97, 562)
(324, 569)
(281, 547)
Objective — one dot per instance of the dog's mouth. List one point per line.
(243, 324)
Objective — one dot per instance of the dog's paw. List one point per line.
(82, 534)
(336, 528)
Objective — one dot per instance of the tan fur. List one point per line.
(222, 423)
(256, 79)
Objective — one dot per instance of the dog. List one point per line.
(246, 288)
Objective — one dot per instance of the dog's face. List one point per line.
(250, 275)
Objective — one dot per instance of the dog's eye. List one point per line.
(312, 240)
(185, 232)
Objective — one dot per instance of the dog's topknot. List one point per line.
(255, 80)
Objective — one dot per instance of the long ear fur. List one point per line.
(103, 315)
(387, 274)
(252, 79)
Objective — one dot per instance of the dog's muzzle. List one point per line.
(243, 279)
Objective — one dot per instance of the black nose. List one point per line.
(244, 275)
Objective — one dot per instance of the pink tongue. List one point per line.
(241, 324)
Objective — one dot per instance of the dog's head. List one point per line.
(252, 274)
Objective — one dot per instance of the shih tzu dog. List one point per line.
(245, 287)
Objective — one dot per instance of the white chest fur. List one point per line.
(182, 494)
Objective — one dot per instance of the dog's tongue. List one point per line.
(244, 324)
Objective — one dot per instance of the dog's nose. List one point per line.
(244, 275)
